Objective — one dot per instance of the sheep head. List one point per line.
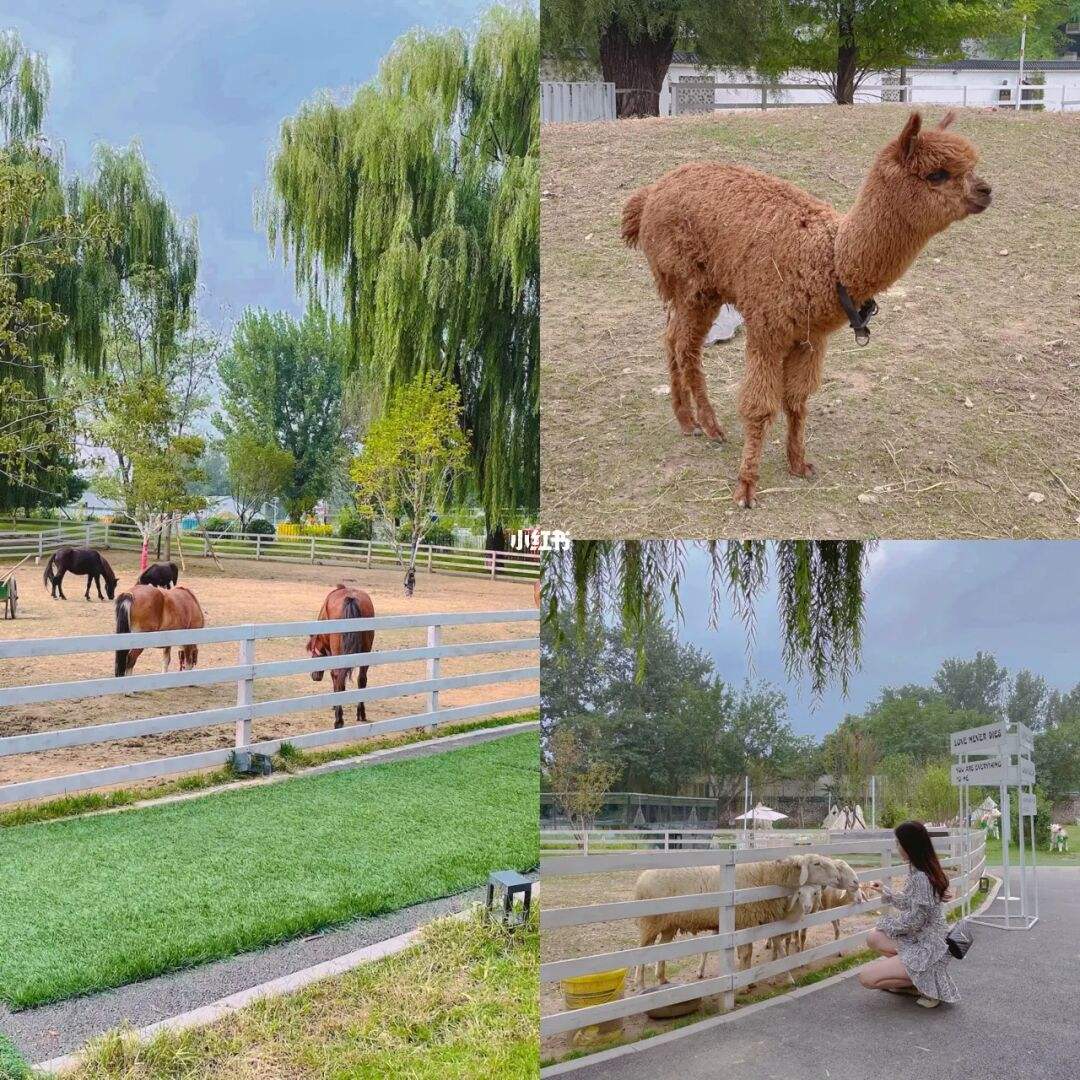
(849, 880)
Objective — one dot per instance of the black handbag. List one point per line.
(959, 939)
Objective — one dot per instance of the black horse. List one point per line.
(161, 574)
(86, 561)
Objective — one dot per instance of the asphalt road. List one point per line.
(1016, 1019)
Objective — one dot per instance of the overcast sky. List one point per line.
(204, 86)
(925, 600)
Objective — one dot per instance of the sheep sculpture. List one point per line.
(794, 873)
(795, 268)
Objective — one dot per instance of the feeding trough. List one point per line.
(9, 590)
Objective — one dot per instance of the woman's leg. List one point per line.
(881, 943)
(888, 973)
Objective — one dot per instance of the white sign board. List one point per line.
(1024, 736)
(1027, 805)
(979, 740)
(990, 771)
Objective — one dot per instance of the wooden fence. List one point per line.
(564, 102)
(964, 851)
(245, 674)
(316, 550)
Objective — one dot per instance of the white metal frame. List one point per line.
(244, 674)
(1021, 909)
(969, 860)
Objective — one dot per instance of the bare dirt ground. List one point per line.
(241, 592)
(965, 403)
(572, 941)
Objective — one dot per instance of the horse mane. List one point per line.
(107, 570)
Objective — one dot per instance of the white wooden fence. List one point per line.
(245, 674)
(674, 839)
(320, 550)
(694, 95)
(563, 102)
(964, 852)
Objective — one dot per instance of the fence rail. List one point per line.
(563, 102)
(315, 550)
(963, 851)
(246, 675)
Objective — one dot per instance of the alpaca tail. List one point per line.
(631, 216)
(123, 626)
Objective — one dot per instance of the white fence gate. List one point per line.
(565, 102)
(245, 674)
(964, 852)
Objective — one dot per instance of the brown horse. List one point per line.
(145, 609)
(344, 603)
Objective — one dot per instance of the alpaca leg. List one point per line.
(802, 376)
(759, 401)
(680, 399)
(697, 320)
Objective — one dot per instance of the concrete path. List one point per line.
(1016, 1019)
(51, 1030)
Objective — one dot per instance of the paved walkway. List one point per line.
(1016, 1019)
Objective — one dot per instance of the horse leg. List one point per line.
(166, 658)
(97, 582)
(133, 655)
(89, 582)
(339, 678)
(59, 584)
(361, 682)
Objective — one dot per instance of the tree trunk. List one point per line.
(636, 66)
(847, 54)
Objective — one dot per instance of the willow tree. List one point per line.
(819, 592)
(414, 209)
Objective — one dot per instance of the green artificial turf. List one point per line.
(12, 1064)
(97, 902)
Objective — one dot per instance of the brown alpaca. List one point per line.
(721, 234)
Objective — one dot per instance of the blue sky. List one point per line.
(925, 600)
(204, 86)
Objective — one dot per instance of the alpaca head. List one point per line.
(930, 175)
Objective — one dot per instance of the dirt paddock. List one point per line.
(240, 592)
(960, 418)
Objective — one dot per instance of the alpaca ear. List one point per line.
(946, 120)
(909, 135)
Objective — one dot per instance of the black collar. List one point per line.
(859, 318)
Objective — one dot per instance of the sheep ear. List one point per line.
(946, 120)
(909, 135)
(804, 870)
(794, 904)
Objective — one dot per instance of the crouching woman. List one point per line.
(914, 956)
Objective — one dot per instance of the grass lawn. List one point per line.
(97, 902)
(1042, 856)
(459, 1005)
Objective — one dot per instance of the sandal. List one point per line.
(910, 991)
(928, 1002)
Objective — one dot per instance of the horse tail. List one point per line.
(48, 577)
(175, 570)
(123, 626)
(351, 641)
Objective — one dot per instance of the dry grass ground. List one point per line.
(966, 401)
(567, 942)
(241, 592)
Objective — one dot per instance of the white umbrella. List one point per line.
(761, 813)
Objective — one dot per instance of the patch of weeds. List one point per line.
(13, 1065)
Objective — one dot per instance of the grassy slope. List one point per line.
(462, 1004)
(1042, 856)
(98, 902)
(965, 401)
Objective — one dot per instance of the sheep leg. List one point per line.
(836, 929)
(759, 402)
(661, 965)
(802, 376)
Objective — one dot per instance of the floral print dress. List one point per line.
(918, 928)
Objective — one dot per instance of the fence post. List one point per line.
(434, 639)
(313, 551)
(369, 554)
(205, 545)
(727, 926)
(258, 545)
(764, 96)
(245, 690)
(88, 534)
(494, 564)
(40, 546)
(886, 865)
(965, 93)
(429, 552)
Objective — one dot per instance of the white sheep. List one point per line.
(793, 873)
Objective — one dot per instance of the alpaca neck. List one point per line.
(875, 244)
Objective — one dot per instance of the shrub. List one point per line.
(219, 523)
(352, 525)
(438, 534)
(260, 526)
(292, 528)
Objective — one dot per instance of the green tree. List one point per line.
(846, 40)
(1045, 29)
(979, 684)
(819, 592)
(1027, 700)
(632, 41)
(579, 784)
(1057, 753)
(416, 207)
(24, 89)
(282, 379)
(934, 797)
(256, 470)
(410, 458)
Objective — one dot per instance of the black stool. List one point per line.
(512, 883)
